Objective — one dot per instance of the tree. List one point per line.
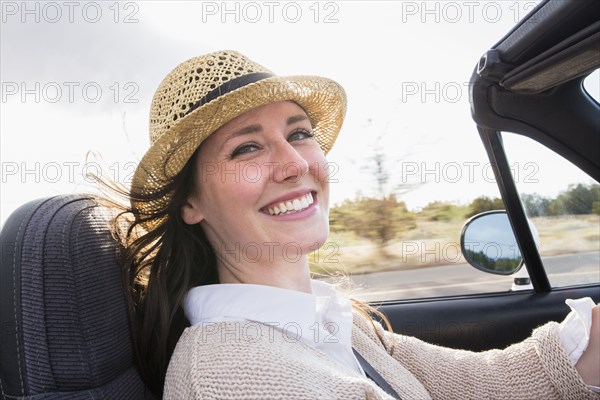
(484, 203)
(379, 217)
(535, 205)
(504, 264)
(442, 211)
(376, 219)
(576, 200)
(596, 207)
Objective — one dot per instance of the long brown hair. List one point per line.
(160, 265)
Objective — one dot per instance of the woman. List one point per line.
(227, 203)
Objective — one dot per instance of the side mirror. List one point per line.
(488, 243)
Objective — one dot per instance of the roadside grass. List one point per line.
(568, 234)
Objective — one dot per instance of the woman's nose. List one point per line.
(288, 163)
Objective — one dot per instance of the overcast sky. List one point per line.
(79, 77)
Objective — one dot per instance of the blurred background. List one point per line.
(408, 167)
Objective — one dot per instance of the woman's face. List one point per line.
(261, 190)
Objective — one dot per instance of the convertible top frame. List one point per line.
(526, 85)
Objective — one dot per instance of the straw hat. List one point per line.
(202, 94)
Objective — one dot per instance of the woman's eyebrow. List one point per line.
(258, 127)
(244, 131)
(296, 118)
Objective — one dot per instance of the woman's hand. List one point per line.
(588, 365)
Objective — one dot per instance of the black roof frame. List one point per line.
(563, 118)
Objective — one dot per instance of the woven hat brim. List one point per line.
(324, 101)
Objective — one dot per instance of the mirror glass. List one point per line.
(488, 243)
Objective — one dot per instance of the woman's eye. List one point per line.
(243, 149)
(300, 134)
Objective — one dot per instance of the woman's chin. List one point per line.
(315, 240)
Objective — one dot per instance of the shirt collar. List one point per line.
(301, 314)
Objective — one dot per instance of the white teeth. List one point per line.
(298, 204)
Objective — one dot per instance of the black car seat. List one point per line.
(64, 326)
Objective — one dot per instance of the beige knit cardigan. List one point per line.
(248, 360)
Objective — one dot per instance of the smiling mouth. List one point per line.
(291, 206)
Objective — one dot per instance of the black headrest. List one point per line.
(65, 332)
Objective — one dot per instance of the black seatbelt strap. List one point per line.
(374, 375)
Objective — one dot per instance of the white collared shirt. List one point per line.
(322, 319)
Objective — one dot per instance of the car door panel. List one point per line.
(482, 322)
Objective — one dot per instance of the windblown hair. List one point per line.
(160, 265)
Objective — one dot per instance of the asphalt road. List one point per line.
(458, 279)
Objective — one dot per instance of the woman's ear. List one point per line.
(190, 212)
